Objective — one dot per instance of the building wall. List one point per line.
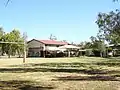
(35, 47)
(35, 44)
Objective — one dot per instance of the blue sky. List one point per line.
(71, 20)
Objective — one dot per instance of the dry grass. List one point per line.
(83, 73)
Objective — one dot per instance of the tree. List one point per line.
(13, 48)
(20, 47)
(81, 44)
(109, 26)
(1, 36)
(88, 45)
(98, 45)
(1, 33)
(52, 37)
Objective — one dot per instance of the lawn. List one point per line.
(84, 73)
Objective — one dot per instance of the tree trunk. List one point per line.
(9, 51)
(8, 55)
(68, 53)
(107, 53)
(44, 54)
(2, 53)
(101, 54)
(19, 54)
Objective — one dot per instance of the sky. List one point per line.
(70, 20)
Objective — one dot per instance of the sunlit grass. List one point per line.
(84, 73)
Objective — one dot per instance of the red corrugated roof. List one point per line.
(53, 42)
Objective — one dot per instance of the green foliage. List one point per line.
(1, 33)
(11, 48)
(85, 45)
(97, 52)
(88, 45)
(97, 44)
(1, 37)
(89, 52)
(109, 49)
(109, 26)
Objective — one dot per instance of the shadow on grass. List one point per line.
(25, 70)
(87, 78)
(21, 85)
(48, 69)
(109, 63)
(77, 65)
(89, 69)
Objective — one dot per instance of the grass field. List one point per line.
(84, 73)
